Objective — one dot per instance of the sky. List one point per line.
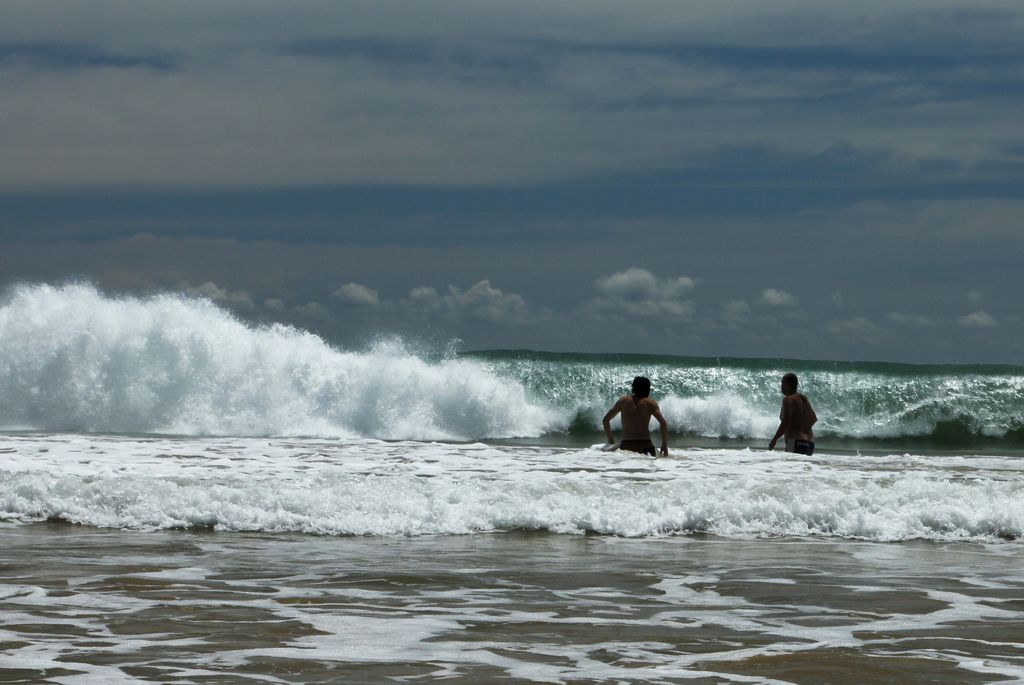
(762, 179)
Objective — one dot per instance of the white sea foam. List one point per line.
(74, 359)
(362, 487)
(718, 416)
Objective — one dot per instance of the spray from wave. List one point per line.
(73, 359)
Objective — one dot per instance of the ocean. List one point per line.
(186, 497)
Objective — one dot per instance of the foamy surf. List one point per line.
(361, 487)
(73, 359)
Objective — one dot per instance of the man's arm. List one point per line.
(664, 429)
(784, 419)
(814, 417)
(607, 421)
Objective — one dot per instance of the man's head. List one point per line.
(641, 387)
(789, 383)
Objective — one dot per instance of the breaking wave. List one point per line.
(73, 359)
(941, 406)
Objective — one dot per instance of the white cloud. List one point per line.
(239, 299)
(481, 302)
(857, 328)
(638, 292)
(424, 295)
(357, 295)
(735, 311)
(313, 311)
(772, 297)
(978, 319)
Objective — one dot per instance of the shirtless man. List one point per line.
(637, 410)
(796, 420)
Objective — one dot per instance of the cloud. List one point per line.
(978, 319)
(238, 299)
(357, 295)
(857, 328)
(772, 297)
(478, 94)
(953, 221)
(481, 302)
(77, 56)
(313, 311)
(735, 311)
(638, 292)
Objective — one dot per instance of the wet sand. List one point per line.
(88, 605)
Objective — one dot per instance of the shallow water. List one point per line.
(87, 605)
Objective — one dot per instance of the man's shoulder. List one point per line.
(650, 402)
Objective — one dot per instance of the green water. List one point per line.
(708, 401)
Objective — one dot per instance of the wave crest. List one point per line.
(73, 359)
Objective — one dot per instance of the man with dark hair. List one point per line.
(796, 420)
(637, 410)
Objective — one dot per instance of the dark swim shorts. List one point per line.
(804, 447)
(641, 446)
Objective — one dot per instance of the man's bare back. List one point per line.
(636, 416)
(796, 419)
(637, 410)
(801, 417)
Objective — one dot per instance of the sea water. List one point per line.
(185, 497)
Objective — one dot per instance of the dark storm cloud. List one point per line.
(70, 56)
(462, 95)
(808, 57)
(976, 72)
(748, 184)
(487, 59)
